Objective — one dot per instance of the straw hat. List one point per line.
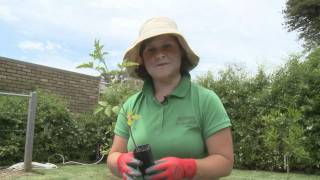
(154, 27)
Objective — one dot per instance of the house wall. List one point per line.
(81, 91)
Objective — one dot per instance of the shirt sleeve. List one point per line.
(215, 116)
(121, 127)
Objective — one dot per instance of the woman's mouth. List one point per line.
(161, 64)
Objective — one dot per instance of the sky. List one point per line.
(61, 33)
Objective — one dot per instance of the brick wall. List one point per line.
(82, 91)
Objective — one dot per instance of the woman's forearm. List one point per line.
(119, 146)
(112, 163)
(213, 167)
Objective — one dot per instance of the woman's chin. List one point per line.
(163, 76)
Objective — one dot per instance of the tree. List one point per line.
(99, 64)
(304, 16)
(113, 78)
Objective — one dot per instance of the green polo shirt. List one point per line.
(177, 127)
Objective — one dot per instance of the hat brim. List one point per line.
(132, 54)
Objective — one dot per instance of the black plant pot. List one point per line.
(144, 154)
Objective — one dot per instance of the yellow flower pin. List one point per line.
(132, 117)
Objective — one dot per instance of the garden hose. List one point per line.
(74, 162)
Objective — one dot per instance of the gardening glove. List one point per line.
(172, 168)
(128, 166)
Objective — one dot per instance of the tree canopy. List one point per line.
(303, 16)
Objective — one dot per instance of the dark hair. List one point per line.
(185, 62)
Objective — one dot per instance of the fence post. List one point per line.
(30, 132)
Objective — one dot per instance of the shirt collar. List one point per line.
(180, 91)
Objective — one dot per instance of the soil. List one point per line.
(5, 173)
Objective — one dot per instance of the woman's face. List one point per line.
(162, 57)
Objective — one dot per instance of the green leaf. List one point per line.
(99, 109)
(108, 111)
(103, 103)
(86, 65)
(91, 55)
(101, 69)
(115, 109)
(105, 152)
(128, 64)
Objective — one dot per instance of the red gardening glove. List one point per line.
(128, 166)
(172, 168)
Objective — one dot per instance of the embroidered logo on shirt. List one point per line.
(187, 121)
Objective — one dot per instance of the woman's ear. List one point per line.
(140, 61)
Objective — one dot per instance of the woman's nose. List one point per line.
(160, 55)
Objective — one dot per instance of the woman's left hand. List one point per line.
(172, 168)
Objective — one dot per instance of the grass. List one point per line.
(70, 172)
(99, 172)
(264, 175)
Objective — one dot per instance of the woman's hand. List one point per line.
(128, 166)
(171, 168)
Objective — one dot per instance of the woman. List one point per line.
(185, 124)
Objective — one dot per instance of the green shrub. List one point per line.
(56, 130)
(92, 131)
(257, 104)
(13, 118)
(283, 139)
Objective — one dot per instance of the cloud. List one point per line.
(38, 46)
(31, 45)
(6, 14)
(116, 4)
(123, 27)
(52, 46)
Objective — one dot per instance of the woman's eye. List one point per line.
(166, 46)
(150, 50)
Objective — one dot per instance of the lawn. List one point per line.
(99, 172)
(72, 172)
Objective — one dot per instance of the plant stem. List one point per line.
(135, 145)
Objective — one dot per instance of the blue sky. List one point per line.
(60, 33)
